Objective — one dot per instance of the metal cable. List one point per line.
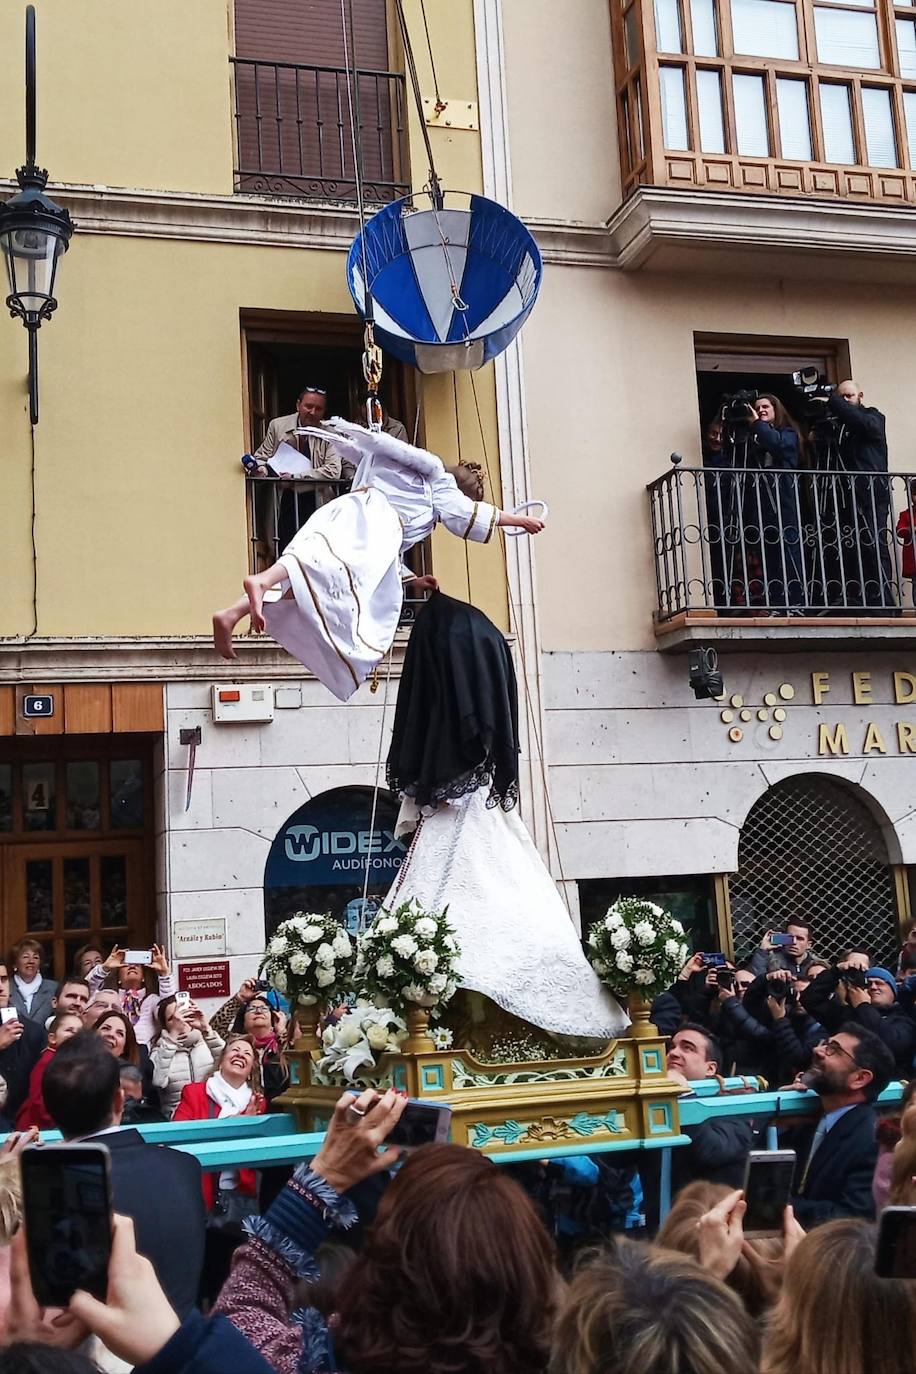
(378, 769)
(410, 63)
(440, 103)
(356, 143)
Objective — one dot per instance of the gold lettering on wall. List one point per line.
(861, 688)
(834, 741)
(904, 688)
(906, 737)
(820, 686)
(874, 740)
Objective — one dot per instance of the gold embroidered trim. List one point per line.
(471, 521)
(359, 610)
(493, 519)
(318, 611)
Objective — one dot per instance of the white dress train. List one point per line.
(518, 944)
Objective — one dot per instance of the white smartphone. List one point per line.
(8, 1014)
(182, 998)
(138, 956)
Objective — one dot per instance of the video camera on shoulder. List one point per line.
(733, 408)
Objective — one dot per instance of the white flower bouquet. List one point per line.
(637, 947)
(358, 1041)
(408, 955)
(310, 959)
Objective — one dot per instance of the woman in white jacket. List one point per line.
(185, 1050)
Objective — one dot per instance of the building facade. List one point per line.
(723, 193)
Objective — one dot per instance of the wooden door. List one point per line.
(64, 895)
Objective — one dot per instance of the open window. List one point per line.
(729, 363)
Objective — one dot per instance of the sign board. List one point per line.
(196, 939)
(205, 978)
(34, 707)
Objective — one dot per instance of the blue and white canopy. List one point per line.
(450, 288)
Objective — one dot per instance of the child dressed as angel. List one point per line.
(342, 574)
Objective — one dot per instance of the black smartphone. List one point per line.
(66, 1197)
(767, 1189)
(714, 960)
(895, 1257)
(421, 1123)
(725, 978)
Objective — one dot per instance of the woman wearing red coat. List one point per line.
(233, 1089)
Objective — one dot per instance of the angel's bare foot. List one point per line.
(255, 587)
(224, 623)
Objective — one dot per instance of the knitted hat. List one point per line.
(885, 975)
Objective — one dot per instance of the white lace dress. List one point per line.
(518, 944)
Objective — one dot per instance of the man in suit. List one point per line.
(311, 405)
(158, 1187)
(837, 1156)
(30, 994)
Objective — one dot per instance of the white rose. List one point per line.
(624, 962)
(426, 961)
(327, 1036)
(644, 932)
(672, 949)
(384, 967)
(324, 977)
(324, 954)
(413, 993)
(450, 942)
(426, 927)
(449, 991)
(677, 927)
(341, 945)
(312, 933)
(377, 1037)
(438, 983)
(299, 962)
(620, 938)
(405, 945)
(656, 910)
(683, 954)
(384, 926)
(280, 982)
(600, 969)
(612, 920)
(349, 1034)
(644, 975)
(278, 945)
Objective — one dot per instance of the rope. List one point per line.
(516, 628)
(440, 103)
(355, 143)
(378, 769)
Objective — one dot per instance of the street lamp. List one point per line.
(34, 232)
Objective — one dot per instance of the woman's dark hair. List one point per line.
(34, 1357)
(456, 1274)
(131, 1051)
(150, 979)
(783, 420)
(164, 1004)
(238, 1028)
(757, 1275)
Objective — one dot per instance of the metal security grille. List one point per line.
(810, 849)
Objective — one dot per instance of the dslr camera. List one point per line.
(733, 409)
(782, 991)
(853, 977)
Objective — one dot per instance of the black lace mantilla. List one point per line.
(481, 776)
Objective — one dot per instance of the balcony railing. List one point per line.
(753, 542)
(292, 132)
(277, 508)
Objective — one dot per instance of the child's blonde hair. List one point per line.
(469, 477)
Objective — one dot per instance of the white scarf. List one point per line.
(231, 1101)
(28, 990)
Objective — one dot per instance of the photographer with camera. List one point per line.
(862, 448)
(869, 999)
(789, 948)
(774, 505)
(772, 1021)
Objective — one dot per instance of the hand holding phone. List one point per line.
(350, 1150)
(714, 960)
(895, 1254)
(138, 956)
(780, 940)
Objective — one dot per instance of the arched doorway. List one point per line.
(318, 858)
(810, 848)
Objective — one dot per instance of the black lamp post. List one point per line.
(34, 232)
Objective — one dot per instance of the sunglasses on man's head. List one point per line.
(316, 390)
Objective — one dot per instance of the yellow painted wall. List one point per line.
(129, 94)
(141, 520)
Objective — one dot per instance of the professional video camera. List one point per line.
(815, 389)
(733, 408)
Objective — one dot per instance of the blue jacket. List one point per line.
(204, 1345)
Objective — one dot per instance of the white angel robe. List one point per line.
(344, 565)
(518, 945)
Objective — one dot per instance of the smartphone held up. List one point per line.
(767, 1190)
(66, 1196)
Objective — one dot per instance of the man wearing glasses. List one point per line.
(836, 1158)
(295, 505)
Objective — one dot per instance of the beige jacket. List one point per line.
(324, 460)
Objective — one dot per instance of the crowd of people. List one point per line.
(438, 1260)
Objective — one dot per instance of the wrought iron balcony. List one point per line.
(292, 132)
(752, 542)
(277, 508)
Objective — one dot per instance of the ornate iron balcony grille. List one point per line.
(756, 541)
(810, 848)
(292, 132)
